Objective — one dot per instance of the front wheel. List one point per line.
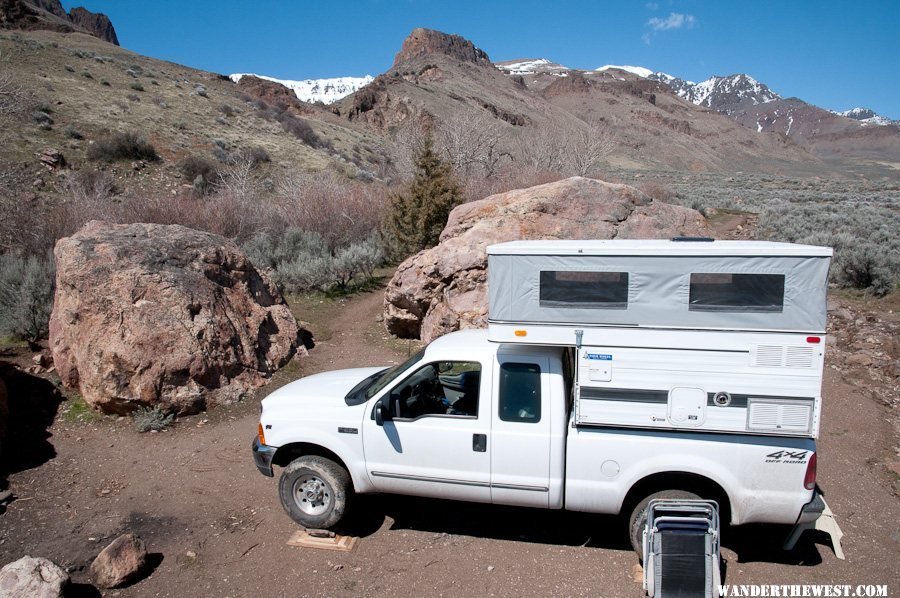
(315, 491)
(638, 519)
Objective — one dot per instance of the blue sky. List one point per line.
(835, 54)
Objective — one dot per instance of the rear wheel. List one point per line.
(638, 519)
(315, 491)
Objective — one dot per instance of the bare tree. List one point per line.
(543, 150)
(238, 177)
(341, 212)
(408, 142)
(471, 142)
(589, 147)
(568, 153)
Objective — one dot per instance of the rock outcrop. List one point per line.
(148, 315)
(54, 7)
(122, 562)
(33, 577)
(445, 288)
(428, 41)
(95, 23)
(33, 15)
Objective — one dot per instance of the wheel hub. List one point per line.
(312, 495)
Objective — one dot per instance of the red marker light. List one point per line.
(815, 340)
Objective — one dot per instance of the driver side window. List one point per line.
(448, 388)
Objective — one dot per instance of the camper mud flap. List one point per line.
(816, 514)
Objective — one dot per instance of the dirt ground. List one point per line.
(216, 528)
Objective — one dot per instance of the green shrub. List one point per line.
(416, 218)
(136, 86)
(302, 262)
(123, 146)
(198, 171)
(152, 418)
(26, 296)
(72, 133)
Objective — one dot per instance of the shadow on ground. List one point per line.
(751, 543)
(32, 403)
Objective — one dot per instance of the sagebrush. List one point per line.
(26, 296)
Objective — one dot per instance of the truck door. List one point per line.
(520, 431)
(435, 440)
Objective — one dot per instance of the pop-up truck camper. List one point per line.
(612, 373)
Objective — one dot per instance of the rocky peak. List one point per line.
(54, 7)
(31, 15)
(428, 41)
(95, 23)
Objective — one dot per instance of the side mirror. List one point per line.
(381, 413)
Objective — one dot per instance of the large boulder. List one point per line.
(148, 315)
(32, 577)
(444, 288)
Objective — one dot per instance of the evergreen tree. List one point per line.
(416, 218)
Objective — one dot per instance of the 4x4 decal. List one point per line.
(787, 457)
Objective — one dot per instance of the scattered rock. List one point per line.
(445, 288)
(123, 561)
(148, 315)
(43, 359)
(860, 359)
(52, 159)
(32, 577)
(843, 313)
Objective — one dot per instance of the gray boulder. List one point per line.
(32, 577)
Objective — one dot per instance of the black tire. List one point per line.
(638, 518)
(315, 491)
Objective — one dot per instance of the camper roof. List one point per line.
(658, 247)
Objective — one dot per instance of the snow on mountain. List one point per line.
(733, 89)
(635, 70)
(866, 116)
(326, 91)
(716, 92)
(530, 66)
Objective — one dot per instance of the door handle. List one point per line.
(479, 443)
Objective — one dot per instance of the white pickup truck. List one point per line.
(553, 409)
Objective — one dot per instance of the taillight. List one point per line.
(809, 481)
(262, 440)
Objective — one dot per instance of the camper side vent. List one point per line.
(778, 356)
(798, 357)
(769, 356)
(774, 416)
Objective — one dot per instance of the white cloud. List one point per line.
(652, 6)
(675, 20)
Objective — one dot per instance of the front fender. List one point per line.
(347, 447)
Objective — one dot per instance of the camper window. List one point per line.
(737, 292)
(601, 290)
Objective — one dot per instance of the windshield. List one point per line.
(369, 387)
